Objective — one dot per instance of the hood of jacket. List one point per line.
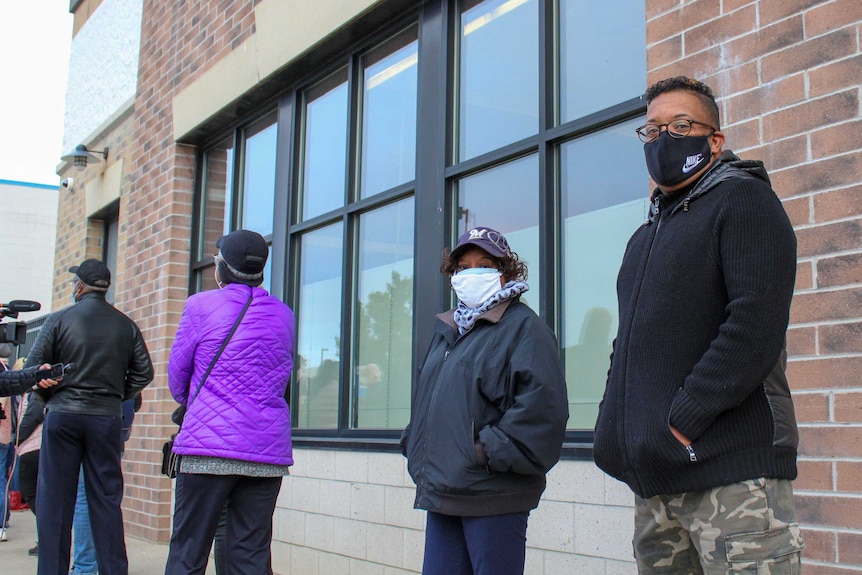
(729, 165)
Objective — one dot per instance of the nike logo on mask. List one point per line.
(691, 163)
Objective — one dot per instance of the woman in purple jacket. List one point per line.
(235, 438)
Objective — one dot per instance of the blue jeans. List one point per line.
(83, 550)
(14, 484)
(7, 457)
(491, 545)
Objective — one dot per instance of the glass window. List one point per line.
(258, 193)
(602, 55)
(506, 198)
(319, 326)
(367, 142)
(389, 115)
(267, 272)
(218, 182)
(605, 196)
(499, 75)
(206, 279)
(384, 336)
(109, 249)
(325, 147)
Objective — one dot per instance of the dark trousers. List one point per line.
(200, 501)
(28, 472)
(69, 441)
(220, 543)
(491, 545)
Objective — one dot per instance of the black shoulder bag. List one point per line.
(171, 460)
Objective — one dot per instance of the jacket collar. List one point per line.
(729, 165)
(91, 295)
(493, 315)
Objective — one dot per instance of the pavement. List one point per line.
(145, 557)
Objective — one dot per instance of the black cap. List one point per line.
(489, 240)
(244, 251)
(93, 272)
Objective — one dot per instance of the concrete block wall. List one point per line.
(352, 513)
(103, 67)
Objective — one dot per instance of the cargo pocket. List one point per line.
(773, 552)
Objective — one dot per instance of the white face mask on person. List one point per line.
(474, 286)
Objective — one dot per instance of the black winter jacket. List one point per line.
(488, 415)
(111, 359)
(20, 381)
(704, 296)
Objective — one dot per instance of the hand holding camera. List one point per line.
(54, 374)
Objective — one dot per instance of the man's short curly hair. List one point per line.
(512, 267)
(684, 83)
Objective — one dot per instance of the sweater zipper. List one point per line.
(637, 298)
(692, 456)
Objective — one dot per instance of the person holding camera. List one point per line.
(83, 419)
(15, 383)
(21, 381)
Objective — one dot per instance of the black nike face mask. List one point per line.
(671, 161)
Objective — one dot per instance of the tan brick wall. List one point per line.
(787, 73)
(156, 223)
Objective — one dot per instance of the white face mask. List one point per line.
(475, 285)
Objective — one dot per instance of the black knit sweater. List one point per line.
(704, 300)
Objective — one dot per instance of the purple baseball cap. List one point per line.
(489, 240)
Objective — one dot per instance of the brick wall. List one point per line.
(787, 73)
(78, 236)
(155, 223)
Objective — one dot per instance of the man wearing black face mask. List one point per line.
(697, 417)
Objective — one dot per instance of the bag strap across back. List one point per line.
(221, 349)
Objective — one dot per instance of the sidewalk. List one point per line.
(145, 557)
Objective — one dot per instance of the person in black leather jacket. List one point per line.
(83, 419)
(488, 415)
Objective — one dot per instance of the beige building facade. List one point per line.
(361, 136)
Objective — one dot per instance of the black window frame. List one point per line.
(437, 172)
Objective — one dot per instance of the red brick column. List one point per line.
(787, 73)
(179, 42)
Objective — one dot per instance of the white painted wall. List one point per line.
(103, 69)
(351, 513)
(28, 231)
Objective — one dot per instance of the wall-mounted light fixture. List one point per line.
(82, 155)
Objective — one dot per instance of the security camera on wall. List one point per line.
(67, 183)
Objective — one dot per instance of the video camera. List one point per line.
(15, 332)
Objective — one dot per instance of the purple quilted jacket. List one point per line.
(240, 412)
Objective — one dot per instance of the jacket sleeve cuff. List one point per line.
(688, 417)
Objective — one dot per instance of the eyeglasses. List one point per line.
(679, 128)
(73, 282)
(216, 259)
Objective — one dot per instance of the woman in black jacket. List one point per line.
(488, 416)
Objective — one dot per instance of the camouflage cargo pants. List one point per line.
(747, 528)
